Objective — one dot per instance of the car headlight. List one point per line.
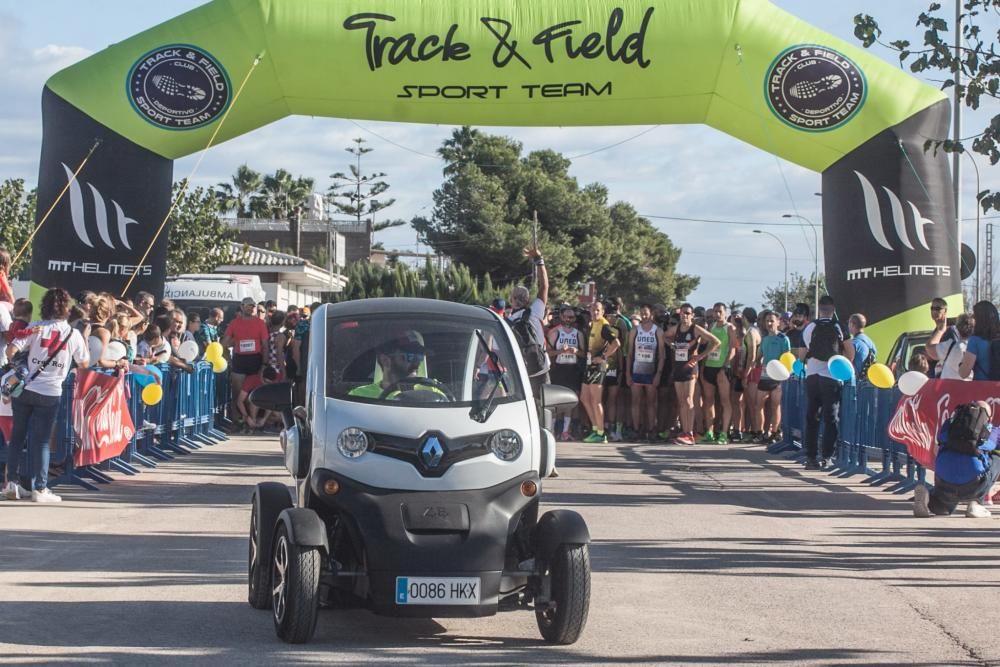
(506, 445)
(352, 442)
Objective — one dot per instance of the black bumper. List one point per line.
(431, 534)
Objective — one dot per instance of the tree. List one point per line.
(801, 289)
(17, 220)
(281, 195)
(355, 194)
(483, 218)
(238, 195)
(978, 60)
(453, 283)
(735, 306)
(199, 240)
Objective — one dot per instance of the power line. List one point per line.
(748, 223)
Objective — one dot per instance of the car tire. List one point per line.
(294, 588)
(258, 566)
(562, 622)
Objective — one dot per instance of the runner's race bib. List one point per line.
(715, 356)
(566, 358)
(681, 353)
(613, 373)
(248, 346)
(644, 356)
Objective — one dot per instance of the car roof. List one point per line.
(403, 306)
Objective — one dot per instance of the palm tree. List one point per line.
(359, 191)
(283, 195)
(238, 194)
(735, 306)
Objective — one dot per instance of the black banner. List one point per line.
(889, 221)
(102, 226)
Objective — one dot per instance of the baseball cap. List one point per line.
(498, 305)
(248, 301)
(408, 341)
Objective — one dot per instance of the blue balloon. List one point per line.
(155, 371)
(142, 380)
(841, 369)
(798, 368)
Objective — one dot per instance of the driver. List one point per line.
(399, 358)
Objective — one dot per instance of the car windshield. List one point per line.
(418, 360)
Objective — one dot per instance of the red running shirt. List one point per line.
(249, 335)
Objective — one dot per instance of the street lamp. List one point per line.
(815, 257)
(757, 231)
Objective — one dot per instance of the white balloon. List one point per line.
(777, 371)
(911, 382)
(188, 351)
(115, 351)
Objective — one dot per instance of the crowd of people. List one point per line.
(104, 331)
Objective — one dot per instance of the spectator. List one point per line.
(939, 315)
(955, 363)
(800, 320)
(153, 348)
(987, 329)
(865, 353)
(247, 336)
(822, 339)
(181, 331)
(6, 293)
(6, 322)
(960, 474)
(245, 407)
(144, 303)
(566, 349)
(919, 362)
(524, 306)
(276, 341)
(102, 312)
(51, 350)
(22, 312)
(208, 332)
(194, 326)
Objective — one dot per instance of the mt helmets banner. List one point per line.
(101, 420)
(742, 66)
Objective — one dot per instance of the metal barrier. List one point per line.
(863, 439)
(183, 421)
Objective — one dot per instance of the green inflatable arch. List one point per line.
(744, 67)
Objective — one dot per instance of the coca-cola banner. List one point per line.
(919, 418)
(101, 421)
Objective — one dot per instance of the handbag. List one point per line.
(18, 381)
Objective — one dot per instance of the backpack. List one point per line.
(532, 349)
(825, 340)
(994, 360)
(869, 360)
(969, 427)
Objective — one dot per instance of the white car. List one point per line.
(418, 460)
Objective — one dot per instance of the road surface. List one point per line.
(702, 556)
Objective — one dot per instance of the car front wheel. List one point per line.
(294, 588)
(562, 620)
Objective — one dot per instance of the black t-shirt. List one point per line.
(795, 338)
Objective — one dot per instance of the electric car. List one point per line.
(418, 460)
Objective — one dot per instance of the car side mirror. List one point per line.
(276, 396)
(557, 396)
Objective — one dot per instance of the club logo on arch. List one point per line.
(814, 88)
(178, 87)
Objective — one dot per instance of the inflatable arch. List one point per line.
(744, 67)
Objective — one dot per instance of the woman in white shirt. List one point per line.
(52, 348)
(956, 363)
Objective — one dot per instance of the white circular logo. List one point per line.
(178, 87)
(815, 88)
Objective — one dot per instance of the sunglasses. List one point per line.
(411, 357)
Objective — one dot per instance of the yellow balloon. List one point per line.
(152, 394)
(219, 365)
(787, 360)
(213, 351)
(881, 376)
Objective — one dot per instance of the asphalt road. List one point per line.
(701, 556)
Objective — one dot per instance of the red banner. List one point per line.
(101, 420)
(918, 418)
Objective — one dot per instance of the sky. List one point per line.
(676, 170)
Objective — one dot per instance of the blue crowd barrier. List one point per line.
(863, 439)
(184, 420)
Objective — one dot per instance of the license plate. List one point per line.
(438, 590)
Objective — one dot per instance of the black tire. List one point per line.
(562, 622)
(258, 565)
(294, 588)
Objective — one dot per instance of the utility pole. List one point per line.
(956, 166)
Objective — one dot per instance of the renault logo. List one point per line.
(432, 452)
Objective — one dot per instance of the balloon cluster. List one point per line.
(842, 369)
(213, 355)
(150, 381)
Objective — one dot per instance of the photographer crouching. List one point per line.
(967, 464)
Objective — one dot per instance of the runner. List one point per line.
(566, 349)
(736, 377)
(715, 378)
(685, 369)
(615, 378)
(751, 373)
(772, 347)
(602, 343)
(645, 368)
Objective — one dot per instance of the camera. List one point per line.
(13, 386)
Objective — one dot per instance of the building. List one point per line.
(327, 243)
(286, 279)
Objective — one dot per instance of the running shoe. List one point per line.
(46, 496)
(685, 439)
(707, 439)
(921, 498)
(977, 511)
(565, 436)
(614, 436)
(736, 436)
(723, 439)
(596, 437)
